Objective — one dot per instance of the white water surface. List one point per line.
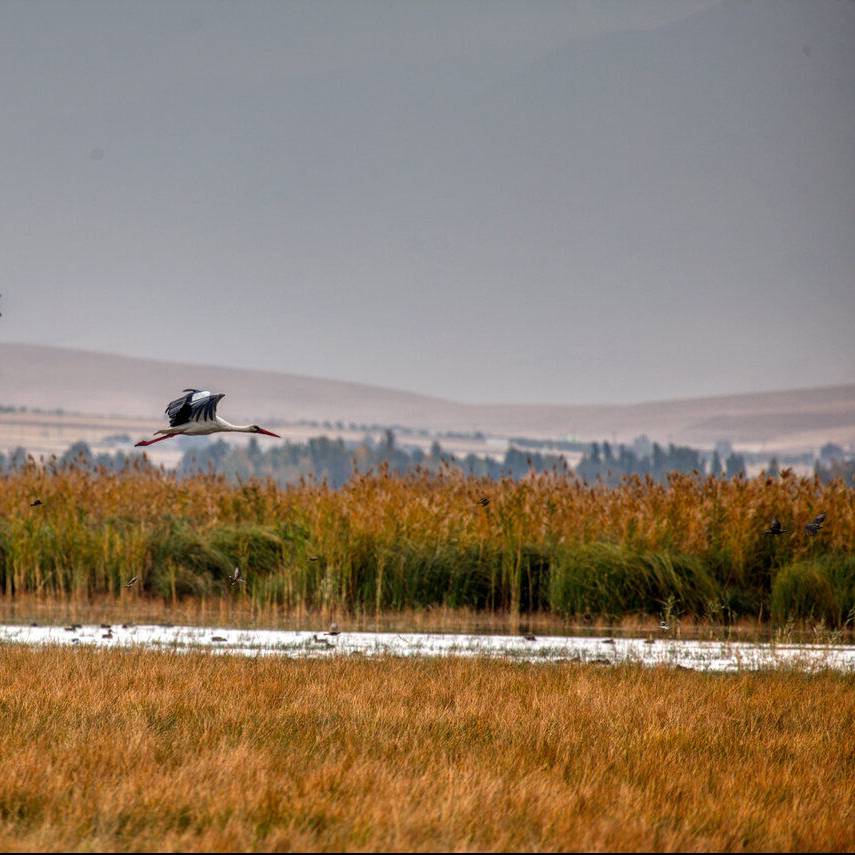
(697, 655)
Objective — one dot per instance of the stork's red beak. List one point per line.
(269, 433)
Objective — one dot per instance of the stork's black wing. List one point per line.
(179, 410)
(193, 406)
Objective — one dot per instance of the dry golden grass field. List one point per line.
(154, 751)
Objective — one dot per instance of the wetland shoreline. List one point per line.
(712, 656)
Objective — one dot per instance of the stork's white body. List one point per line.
(206, 427)
(195, 414)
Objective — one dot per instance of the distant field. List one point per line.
(149, 751)
(45, 434)
(777, 422)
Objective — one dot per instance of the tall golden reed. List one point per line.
(546, 542)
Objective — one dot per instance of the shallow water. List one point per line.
(697, 655)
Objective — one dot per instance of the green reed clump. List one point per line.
(255, 548)
(606, 578)
(821, 589)
(409, 574)
(182, 561)
(49, 555)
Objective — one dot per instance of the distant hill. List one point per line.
(107, 384)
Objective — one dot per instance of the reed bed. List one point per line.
(156, 751)
(692, 548)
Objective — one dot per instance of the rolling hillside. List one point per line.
(110, 385)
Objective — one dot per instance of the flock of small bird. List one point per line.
(235, 579)
(775, 527)
(74, 627)
(812, 528)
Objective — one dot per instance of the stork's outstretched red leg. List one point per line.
(152, 441)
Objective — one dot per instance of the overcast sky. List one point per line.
(486, 201)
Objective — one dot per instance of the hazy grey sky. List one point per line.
(487, 201)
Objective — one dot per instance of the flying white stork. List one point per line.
(195, 414)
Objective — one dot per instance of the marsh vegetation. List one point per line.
(693, 548)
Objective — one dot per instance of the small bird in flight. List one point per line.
(35, 503)
(235, 578)
(775, 527)
(483, 501)
(131, 582)
(814, 526)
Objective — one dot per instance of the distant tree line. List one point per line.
(833, 464)
(78, 454)
(335, 461)
(604, 463)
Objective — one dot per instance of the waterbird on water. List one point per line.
(195, 414)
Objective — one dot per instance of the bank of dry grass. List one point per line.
(134, 750)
